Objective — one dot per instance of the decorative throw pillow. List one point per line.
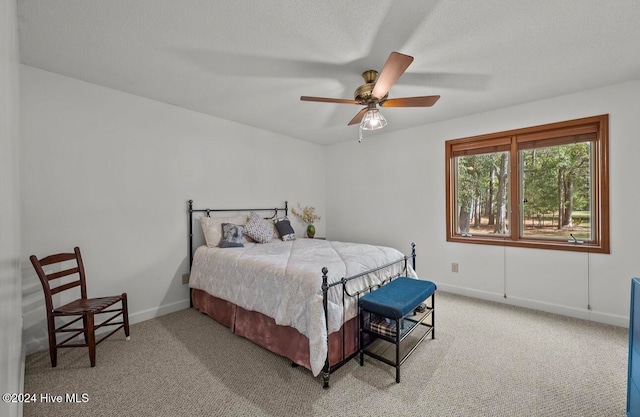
(212, 227)
(258, 228)
(274, 231)
(231, 235)
(284, 229)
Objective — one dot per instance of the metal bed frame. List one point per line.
(327, 370)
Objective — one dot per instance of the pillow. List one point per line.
(258, 228)
(212, 227)
(272, 226)
(231, 235)
(284, 229)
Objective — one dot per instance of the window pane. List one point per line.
(482, 194)
(556, 190)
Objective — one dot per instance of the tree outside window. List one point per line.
(557, 192)
(543, 186)
(482, 194)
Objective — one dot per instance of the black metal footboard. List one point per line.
(328, 369)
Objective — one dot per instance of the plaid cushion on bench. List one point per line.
(383, 326)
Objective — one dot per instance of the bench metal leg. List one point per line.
(398, 334)
(360, 326)
(325, 379)
(433, 315)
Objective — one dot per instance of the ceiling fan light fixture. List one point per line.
(373, 120)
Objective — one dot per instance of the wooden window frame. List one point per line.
(515, 140)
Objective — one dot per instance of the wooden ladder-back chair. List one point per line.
(84, 308)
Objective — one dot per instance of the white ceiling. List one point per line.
(250, 61)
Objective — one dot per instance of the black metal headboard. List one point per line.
(191, 210)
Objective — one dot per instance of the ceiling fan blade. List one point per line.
(395, 66)
(329, 100)
(358, 117)
(424, 101)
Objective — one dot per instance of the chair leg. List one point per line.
(125, 315)
(92, 339)
(53, 349)
(86, 332)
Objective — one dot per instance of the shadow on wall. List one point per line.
(34, 315)
(177, 280)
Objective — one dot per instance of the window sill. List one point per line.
(531, 244)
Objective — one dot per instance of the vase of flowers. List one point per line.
(308, 216)
(311, 231)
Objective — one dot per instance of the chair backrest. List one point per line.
(45, 279)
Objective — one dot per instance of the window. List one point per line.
(541, 187)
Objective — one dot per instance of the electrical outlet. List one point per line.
(454, 267)
(185, 279)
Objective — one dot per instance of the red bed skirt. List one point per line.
(263, 330)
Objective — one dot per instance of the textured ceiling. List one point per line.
(250, 61)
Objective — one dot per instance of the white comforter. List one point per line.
(283, 280)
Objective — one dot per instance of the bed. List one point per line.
(297, 298)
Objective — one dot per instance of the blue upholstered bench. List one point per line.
(392, 307)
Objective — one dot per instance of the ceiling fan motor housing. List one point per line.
(363, 93)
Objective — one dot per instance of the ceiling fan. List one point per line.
(375, 91)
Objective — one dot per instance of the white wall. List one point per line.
(112, 173)
(390, 189)
(11, 368)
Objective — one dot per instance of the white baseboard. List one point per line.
(611, 319)
(37, 345)
(157, 311)
(469, 292)
(23, 361)
(580, 313)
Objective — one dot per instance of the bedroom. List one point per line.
(142, 159)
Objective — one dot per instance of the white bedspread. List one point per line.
(283, 280)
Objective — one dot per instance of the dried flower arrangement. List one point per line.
(306, 214)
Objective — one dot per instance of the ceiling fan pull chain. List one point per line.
(360, 129)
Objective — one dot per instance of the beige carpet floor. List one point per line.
(487, 359)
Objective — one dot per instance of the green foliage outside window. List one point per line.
(482, 193)
(541, 187)
(557, 191)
